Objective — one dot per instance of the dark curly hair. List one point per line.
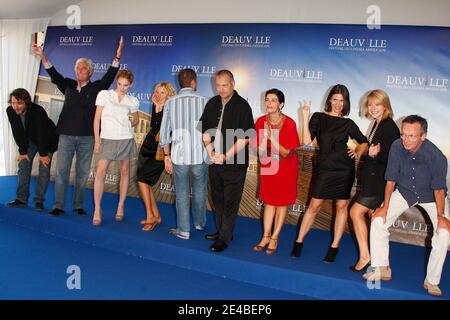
(20, 94)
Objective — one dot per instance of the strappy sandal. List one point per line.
(273, 249)
(260, 247)
(148, 226)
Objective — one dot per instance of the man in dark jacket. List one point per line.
(75, 125)
(34, 132)
(227, 125)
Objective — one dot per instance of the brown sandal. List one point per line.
(148, 226)
(260, 247)
(273, 249)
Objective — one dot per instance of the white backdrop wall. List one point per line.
(393, 12)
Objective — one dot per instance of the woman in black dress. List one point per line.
(150, 161)
(384, 131)
(335, 172)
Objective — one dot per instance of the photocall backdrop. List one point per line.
(412, 64)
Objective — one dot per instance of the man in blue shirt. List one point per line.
(186, 159)
(418, 169)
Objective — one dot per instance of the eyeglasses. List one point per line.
(410, 136)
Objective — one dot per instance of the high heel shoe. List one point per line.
(353, 268)
(297, 249)
(273, 249)
(148, 226)
(119, 215)
(144, 221)
(259, 246)
(97, 221)
(331, 255)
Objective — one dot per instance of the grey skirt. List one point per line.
(117, 149)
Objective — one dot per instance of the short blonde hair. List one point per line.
(168, 86)
(380, 97)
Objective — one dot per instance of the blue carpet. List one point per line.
(119, 261)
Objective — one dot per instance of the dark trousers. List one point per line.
(227, 184)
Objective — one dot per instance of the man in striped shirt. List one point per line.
(184, 153)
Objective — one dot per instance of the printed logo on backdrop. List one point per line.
(297, 210)
(296, 75)
(152, 40)
(76, 41)
(357, 44)
(167, 188)
(110, 179)
(200, 70)
(143, 97)
(102, 67)
(414, 82)
(418, 227)
(245, 41)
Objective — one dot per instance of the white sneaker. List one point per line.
(179, 234)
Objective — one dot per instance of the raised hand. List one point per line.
(306, 109)
(38, 52)
(120, 47)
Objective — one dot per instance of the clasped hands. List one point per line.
(217, 158)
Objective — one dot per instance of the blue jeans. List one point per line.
(83, 148)
(199, 174)
(24, 174)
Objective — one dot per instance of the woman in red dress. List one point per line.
(276, 139)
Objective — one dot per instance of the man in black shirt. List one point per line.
(227, 124)
(75, 125)
(33, 132)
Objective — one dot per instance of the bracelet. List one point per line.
(166, 155)
(117, 58)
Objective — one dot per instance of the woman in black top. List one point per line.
(384, 131)
(335, 172)
(151, 158)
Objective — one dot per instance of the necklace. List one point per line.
(277, 122)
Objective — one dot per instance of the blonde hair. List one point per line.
(168, 86)
(380, 97)
(126, 74)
